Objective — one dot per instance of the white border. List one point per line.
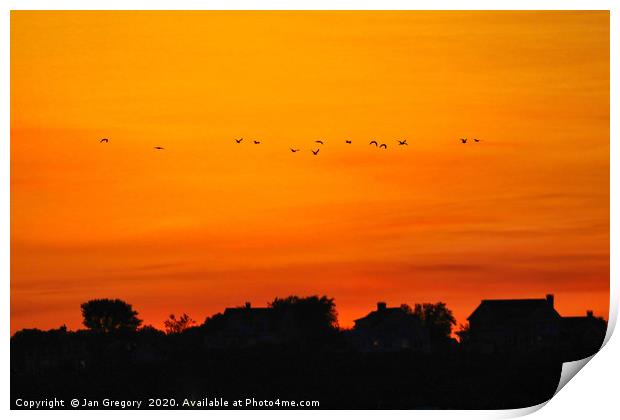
(593, 393)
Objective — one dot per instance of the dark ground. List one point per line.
(338, 380)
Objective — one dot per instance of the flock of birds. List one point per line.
(465, 141)
(321, 142)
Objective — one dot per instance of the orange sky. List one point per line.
(207, 223)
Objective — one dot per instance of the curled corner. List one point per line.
(569, 370)
(521, 412)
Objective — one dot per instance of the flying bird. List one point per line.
(463, 141)
(256, 142)
(319, 141)
(158, 148)
(316, 153)
(374, 142)
(383, 145)
(103, 141)
(294, 150)
(239, 140)
(402, 143)
(347, 141)
(477, 140)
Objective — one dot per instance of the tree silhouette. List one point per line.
(108, 315)
(406, 309)
(463, 333)
(437, 318)
(174, 325)
(307, 316)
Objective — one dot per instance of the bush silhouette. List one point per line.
(174, 325)
(109, 315)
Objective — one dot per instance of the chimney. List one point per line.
(381, 306)
(590, 314)
(550, 299)
(248, 305)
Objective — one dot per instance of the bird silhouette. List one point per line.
(158, 148)
(347, 141)
(477, 140)
(374, 142)
(256, 142)
(463, 141)
(402, 143)
(294, 150)
(319, 141)
(316, 153)
(239, 140)
(103, 141)
(383, 145)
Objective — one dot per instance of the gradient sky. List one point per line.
(207, 223)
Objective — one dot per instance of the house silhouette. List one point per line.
(514, 325)
(390, 329)
(582, 336)
(245, 326)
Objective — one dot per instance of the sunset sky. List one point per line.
(208, 223)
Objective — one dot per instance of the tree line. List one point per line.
(312, 314)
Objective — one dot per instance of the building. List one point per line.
(244, 327)
(514, 325)
(582, 336)
(390, 329)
